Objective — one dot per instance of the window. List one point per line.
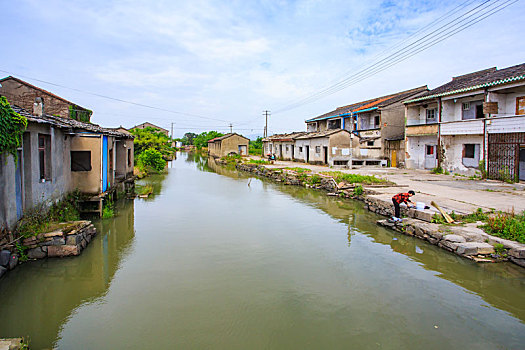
(466, 106)
(370, 143)
(300, 150)
(287, 148)
(376, 121)
(470, 150)
(44, 156)
(430, 150)
(317, 149)
(129, 158)
(520, 105)
(431, 115)
(270, 147)
(81, 160)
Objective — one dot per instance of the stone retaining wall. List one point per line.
(68, 240)
(467, 241)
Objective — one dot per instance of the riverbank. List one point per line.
(466, 240)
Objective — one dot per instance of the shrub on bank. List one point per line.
(506, 225)
(149, 160)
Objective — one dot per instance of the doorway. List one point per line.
(307, 151)
(325, 151)
(522, 164)
(393, 158)
(293, 151)
(430, 156)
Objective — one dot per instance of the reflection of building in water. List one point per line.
(38, 297)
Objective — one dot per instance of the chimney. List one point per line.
(38, 107)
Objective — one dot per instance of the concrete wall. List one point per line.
(453, 159)
(34, 190)
(339, 149)
(24, 96)
(452, 111)
(7, 192)
(415, 150)
(228, 145)
(361, 150)
(88, 181)
(336, 146)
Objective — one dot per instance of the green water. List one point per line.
(220, 260)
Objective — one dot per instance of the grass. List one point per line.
(439, 170)
(353, 178)
(299, 170)
(258, 161)
(358, 190)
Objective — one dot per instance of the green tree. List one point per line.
(256, 146)
(188, 138)
(151, 138)
(202, 139)
(151, 159)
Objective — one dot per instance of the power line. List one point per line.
(115, 98)
(477, 14)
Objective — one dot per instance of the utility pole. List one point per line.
(231, 128)
(266, 114)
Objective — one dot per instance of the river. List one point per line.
(215, 259)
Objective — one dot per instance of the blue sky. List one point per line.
(230, 60)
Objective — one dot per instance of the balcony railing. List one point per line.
(416, 122)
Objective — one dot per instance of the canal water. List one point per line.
(215, 259)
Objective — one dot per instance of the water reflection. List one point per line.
(501, 285)
(38, 297)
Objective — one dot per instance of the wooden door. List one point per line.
(520, 105)
(393, 159)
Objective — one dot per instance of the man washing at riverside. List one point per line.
(401, 198)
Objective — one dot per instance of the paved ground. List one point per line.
(453, 193)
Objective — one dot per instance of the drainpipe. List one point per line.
(485, 137)
(440, 108)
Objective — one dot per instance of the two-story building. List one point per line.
(475, 120)
(377, 124)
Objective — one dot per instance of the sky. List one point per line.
(204, 64)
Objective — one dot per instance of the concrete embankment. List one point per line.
(68, 239)
(465, 240)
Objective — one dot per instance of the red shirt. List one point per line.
(402, 198)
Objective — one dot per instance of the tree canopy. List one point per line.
(202, 139)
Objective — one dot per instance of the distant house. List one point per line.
(378, 125)
(330, 147)
(29, 97)
(282, 145)
(149, 125)
(476, 117)
(59, 155)
(231, 143)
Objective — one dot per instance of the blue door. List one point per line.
(18, 186)
(104, 163)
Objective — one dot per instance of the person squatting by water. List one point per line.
(401, 198)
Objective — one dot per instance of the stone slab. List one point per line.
(454, 238)
(5, 255)
(474, 248)
(62, 250)
(2, 270)
(518, 253)
(53, 234)
(11, 344)
(36, 253)
(13, 261)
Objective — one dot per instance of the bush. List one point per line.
(151, 159)
(506, 225)
(258, 161)
(358, 190)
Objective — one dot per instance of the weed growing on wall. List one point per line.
(12, 126)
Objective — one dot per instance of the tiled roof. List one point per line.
(476, 80)
(220, 138)
(378, 102)
(325, 133)
(151, 125)
(40, 89)
(67, 123)
(284, 137)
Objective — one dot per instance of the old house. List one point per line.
(282, 145)
(378, 125)
(25, 95)
(475, 120)
(330, 147)
(231, 143)
(150, 125)
(59, 155)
